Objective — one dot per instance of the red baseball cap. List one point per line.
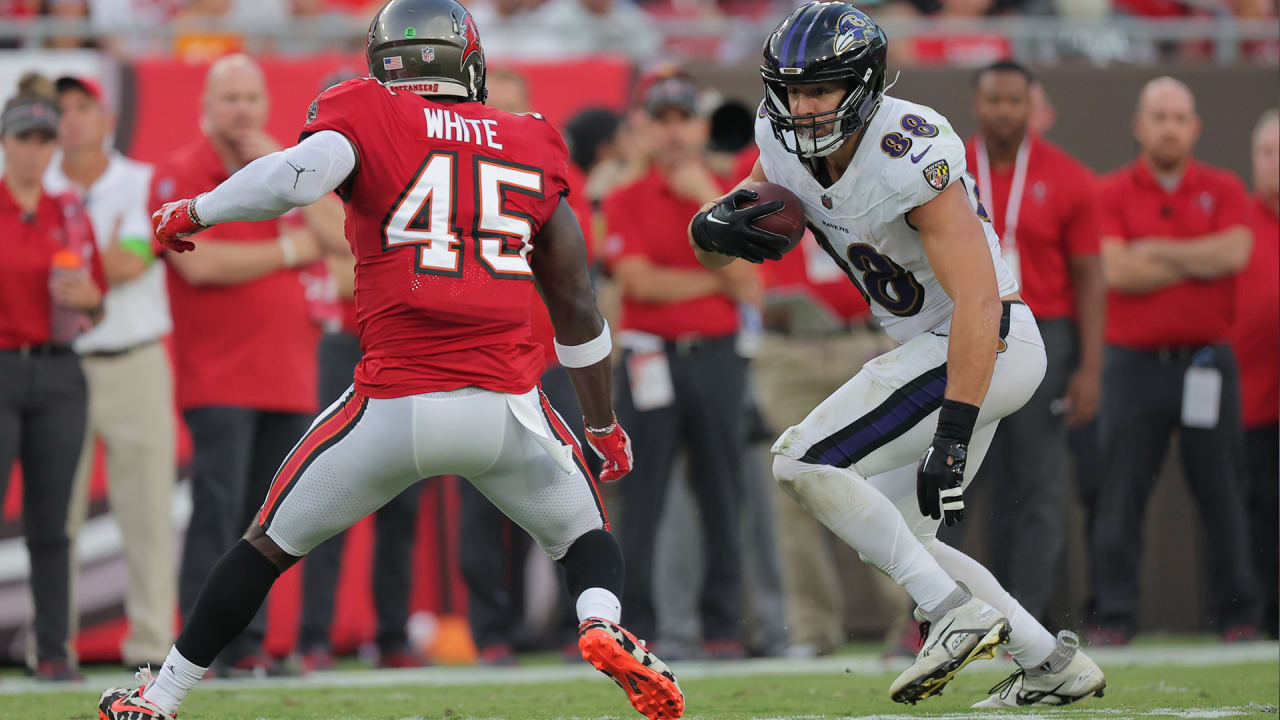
(86, 85)
(666, 87)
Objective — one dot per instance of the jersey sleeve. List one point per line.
(768, 145)
(556, 167)
(338, 108)
(923, 156)
(551, 156)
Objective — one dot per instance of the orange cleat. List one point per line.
(649, 684)
(128, 703)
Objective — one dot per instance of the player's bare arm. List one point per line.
(1128, 270)
(957, 250)
(560, 270)
(582, 339)
(1205, 258)
(958, 253)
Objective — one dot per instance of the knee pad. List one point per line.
(785, 469)
(788, 473)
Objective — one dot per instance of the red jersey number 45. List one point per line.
(425, 216)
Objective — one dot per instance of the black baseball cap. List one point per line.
(24, 114)
(669, 90)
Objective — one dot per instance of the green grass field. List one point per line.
(1217, 685)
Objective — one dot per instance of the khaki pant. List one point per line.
(794, 375)
(131, 410)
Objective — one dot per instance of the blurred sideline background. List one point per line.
(1091, 55)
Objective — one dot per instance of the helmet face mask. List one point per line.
(427, 47)
(813, 134)
(818, 43)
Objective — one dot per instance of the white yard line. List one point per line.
(1140, 656)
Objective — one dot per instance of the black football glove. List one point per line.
(728, 230)
(939, 480)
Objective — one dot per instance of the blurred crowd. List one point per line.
(1156, 288)
(538, 29)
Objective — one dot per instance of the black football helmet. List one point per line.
(428, 47)
(823, 42)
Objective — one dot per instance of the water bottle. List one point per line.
(65, 323)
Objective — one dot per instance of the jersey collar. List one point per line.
(1144, 176)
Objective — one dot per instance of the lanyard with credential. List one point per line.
(1009, 238)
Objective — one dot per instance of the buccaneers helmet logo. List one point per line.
(472, 36)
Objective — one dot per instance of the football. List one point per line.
(788, 222)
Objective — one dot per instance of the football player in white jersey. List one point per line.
(883, 460)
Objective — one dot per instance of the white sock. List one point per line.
(1030, 643)
(176, 678)
(599, 603)
(863, 517)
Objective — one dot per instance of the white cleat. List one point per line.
(1077, 678)
(969, 632)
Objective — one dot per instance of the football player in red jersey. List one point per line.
(454, 211)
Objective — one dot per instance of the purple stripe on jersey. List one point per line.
(799, 61)
(888, 424)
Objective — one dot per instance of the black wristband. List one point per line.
(956, 420)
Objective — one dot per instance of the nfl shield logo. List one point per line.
(392, 63)
(938, 175)
(826, 201)
(428, 54)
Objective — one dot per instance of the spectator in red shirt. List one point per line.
(1174, 235)
(1042, 204)
(1256, 340)
(51, 287)
(681, 382)
(244, 344)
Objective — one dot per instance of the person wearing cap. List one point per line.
(243, 339)
(126, 366)
(1043, 206)
(1174, 234)
(51, 286)
(681, 382)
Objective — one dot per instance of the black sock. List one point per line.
(232, 593)
(594, 560)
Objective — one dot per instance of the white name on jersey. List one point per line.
(447, 125)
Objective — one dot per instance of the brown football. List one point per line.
(788, 222)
